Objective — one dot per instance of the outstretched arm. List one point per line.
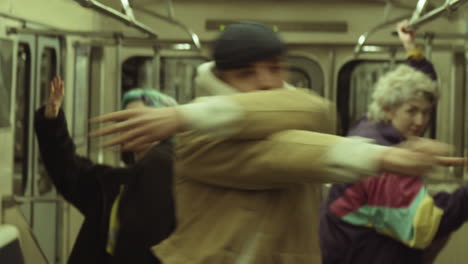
(75, 177)
(292, 157)
(254, 115)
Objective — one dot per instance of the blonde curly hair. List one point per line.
(399, 86)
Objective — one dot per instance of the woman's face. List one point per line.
(412, 117)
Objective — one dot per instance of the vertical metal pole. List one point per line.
(393, 52)
(428, 40)
(156, 68)
(1, 209)
(330, 93)
(464, 116)
(170, 9)
(118, 74)
(102, 90)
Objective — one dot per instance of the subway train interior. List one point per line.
(103, 48)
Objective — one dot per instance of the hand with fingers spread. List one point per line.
(139, 127)
(406, 35)
(425, 145)
(55, 98)
(418, 156)
(438, 149)
(406, 162)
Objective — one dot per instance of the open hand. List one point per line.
(418, 156)
(55, 98)
(139, 126)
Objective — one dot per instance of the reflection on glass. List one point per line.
(306, 73)
(299, 78)
(48, 71)
(178, 77)
(363, 79)
(48, 66)
(6, 60)
(21, 119)
(81, 88)
(137, 72)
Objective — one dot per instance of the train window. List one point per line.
(6, 61)
(306, 73)
(299, 78)
(81, 95)
(47, 71)
(356, 82)
(23, 73)
(137, 72)
(363, 79)
(178, 77)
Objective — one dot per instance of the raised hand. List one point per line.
(55, 98)
(139, 126)
(406, 35)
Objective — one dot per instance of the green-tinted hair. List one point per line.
(149, 97)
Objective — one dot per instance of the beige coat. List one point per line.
(253, 198)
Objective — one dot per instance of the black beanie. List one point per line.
(244, 43)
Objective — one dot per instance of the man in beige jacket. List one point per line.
(249, 170)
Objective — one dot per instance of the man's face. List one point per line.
(261, 75)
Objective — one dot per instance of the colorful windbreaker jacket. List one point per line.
(388, 218)
(393, 205)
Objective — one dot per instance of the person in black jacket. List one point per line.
(126, 210)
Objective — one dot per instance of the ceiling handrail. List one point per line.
(364, 37)
(128, 18)
(417, 20)
(171, 20)
(449, 6)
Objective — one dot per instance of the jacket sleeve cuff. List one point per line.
(42, 121)
(214, 116)
(353, 159)
(415, 54)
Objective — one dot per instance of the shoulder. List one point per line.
(364, 128)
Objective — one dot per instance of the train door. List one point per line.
(6, 66)
(38, 61)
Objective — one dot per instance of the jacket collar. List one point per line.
(383, 133)
(390, 133)
(208, 84)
